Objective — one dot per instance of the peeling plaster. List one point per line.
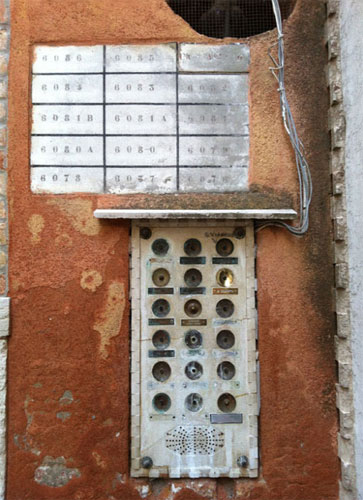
(23, 441)
(175, 489)
(144, 490)
(99, 460)
(64, 415)
(91, 280)
(66, 399)
(110, 320)
(119, 479)
(35, 226)
(80, 213)
(54, 473)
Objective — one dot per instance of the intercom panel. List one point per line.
(194, 380)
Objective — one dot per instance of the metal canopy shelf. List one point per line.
(269, 214)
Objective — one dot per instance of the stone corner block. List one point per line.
(4, 316)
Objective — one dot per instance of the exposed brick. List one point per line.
(3, 89)
(3, 64)
(2, 284)
(2, 210)
(344, 399)
(345, 375)
(3, 39)
(342, 294)
(338, 208)
(3, 136)
(345, 494)
(338, 134)
(2, 159)
(3, 259)
(342, 300)
(337, 159)
(346, 420)
(2, 112)
(341, 275)
(333, 47)
(339, 229)
(343, 352)
(332, 7)
(338, 182)
(343, 325)
(335, 92)
(3, 235)
(4, 17)
(347, 475)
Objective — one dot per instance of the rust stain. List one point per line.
(36, 226)
(110, 320)
(80, 213)
(91, 280)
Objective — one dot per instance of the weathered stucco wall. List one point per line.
(68, 404)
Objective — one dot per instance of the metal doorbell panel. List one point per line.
(194, 393)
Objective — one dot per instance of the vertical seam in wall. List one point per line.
(346, 448)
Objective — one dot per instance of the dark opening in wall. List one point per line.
(230, 18)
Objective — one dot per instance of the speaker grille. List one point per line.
(194, 440)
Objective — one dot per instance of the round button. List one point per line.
(224, 247)
(161, 308)
(194, 370)
(161, 402)
(161, 371)
(226, 403)
(161, 277)
(192, 247)
(193, 402)
(193, 308)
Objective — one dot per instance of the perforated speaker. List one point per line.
(194, 440)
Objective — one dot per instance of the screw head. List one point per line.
(242, 461)
(145, 233)
(146, 462)
(239, 233)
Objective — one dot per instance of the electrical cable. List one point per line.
(304, 176)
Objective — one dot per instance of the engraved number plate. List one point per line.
(124, 119)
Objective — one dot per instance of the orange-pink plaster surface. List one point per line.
(68, 391)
